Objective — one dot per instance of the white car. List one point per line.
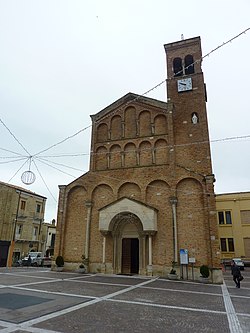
(239, 263)
(36, 259)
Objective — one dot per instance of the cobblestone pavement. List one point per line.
(39, 300)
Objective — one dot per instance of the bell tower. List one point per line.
(186, 90)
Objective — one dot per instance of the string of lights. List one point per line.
(133, 100)
(10, 151)
(233, 138)
(173, 76)
(14, 137)
(62, 141)
(44, 181)
(18, 170)
(51, 166)
(159, 190)
(29, 157)
(17, 160)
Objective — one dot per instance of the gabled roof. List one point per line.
(130, 199)
(21, 189)
(128, 99)
(146, 214)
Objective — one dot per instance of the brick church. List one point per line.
(149, 192)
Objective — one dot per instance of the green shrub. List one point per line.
(59, 261)
(204, 270)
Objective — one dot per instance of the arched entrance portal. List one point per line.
(128, 238)
(132, 225)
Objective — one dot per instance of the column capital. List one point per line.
(173, 200)
(210, 179)
(88, 203)
(105, 232)
(148, 232)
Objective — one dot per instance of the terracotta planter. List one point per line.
(81, 270)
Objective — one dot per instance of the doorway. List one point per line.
(130, 256)
(4, 250)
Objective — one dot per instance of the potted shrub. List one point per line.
(204, 271)
(172, 274)
(84, 265)
(59, 263)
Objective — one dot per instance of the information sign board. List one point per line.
(184, 257)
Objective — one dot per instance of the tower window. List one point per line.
(189, 64)
(177, 64)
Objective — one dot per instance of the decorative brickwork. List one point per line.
(151, 167)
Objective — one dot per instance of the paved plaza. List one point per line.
(40, 300)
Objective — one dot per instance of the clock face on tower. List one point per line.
(184, 84)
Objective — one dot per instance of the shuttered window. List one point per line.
(245, 216)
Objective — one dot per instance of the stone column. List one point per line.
(149, 267)
(150, 250)
(115, 264)
(108, 159)
(103, 268)
(123, 158)
(88, 204)
(123, 129)
(173, 201)
(104, 250)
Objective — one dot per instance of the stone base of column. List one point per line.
(103, 268)
(150, 270)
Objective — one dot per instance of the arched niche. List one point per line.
(116, 128)
(130, 155)
(102, 132)
(101, 161)
(157, 193)
(131, 190)
(102, 195)
(161, 152)
(160, 122)
(145, 123)
(75, 222)
(145, 153)
(115, 157)
(130, 122)
(192, 219)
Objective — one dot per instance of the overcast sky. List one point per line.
(61, 61)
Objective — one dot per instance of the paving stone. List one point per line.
(101, 303)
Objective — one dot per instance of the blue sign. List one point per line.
(184, 256)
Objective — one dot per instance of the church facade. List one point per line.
(149, 193)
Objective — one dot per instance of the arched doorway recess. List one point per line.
(132, 225)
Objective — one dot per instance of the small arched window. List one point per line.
(189, 64)
(177, 64)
